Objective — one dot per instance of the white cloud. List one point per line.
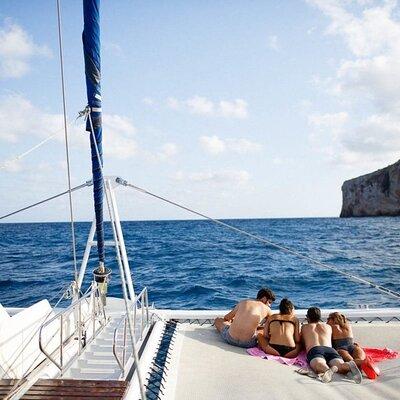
(311, 30)
(272, 42)
(235, 109)
(215, 145)
(16, 49)
(173, 103)
(113, 48)
(11, 166)
(212, 144)
(373, 32)
(203, 106)
(333, 122)
(217, 178)
(148, 101)
(378, 135)
(119, 131)
(243, 146)
(15, 125)
(118, 137)
(369, 79)
(167, 152)
(200, 105)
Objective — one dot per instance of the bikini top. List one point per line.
(281, 321)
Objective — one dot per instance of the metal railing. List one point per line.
(141, 323)
(86, 324)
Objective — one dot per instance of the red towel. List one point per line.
(378, 355)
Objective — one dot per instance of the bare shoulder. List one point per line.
(271, 315)
(267, 310)
(325, 327)
(242, 303)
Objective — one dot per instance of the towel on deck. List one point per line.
(300, 360)
(377, 355)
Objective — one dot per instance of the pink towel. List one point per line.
(300, 360)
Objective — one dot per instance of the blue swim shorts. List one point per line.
(235, 342)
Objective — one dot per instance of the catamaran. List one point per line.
(100, 347)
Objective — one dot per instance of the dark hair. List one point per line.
(265, 292)
(313, 314)
(286, 306)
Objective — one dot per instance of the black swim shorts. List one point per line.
(328, 353)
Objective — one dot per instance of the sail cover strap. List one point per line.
(91, 50)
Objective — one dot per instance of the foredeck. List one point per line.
(183, 357)
(202, 366)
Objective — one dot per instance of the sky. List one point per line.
(236, 109)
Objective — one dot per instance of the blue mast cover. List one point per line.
(91, 50)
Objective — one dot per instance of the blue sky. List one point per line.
(237, 109)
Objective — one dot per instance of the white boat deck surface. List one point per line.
(204, 367)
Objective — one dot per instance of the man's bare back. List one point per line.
(239, 326)
(316, 334)
(323, 359)
(247, 316)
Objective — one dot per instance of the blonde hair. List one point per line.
(338, 319)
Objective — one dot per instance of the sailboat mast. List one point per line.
(91, 50)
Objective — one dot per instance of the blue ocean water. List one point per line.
(198, 265)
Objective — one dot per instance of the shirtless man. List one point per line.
(239, 327)
(323, 359)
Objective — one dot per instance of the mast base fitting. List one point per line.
(101, 276)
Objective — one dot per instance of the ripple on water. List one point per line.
(194, 264)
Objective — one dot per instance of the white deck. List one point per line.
(204, 367)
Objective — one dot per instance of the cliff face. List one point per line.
(374, 194)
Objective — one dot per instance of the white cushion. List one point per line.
(19, 340)
(3, 315)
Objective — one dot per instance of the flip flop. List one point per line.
(306, 372)
(328, 375)
(355, 372)
(370, 369)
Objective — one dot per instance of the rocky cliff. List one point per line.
(374, 194)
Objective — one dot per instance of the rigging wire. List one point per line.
(71, 209)
(6, 163)
(88, 183)
(363, 281)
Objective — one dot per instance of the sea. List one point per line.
(197, 264)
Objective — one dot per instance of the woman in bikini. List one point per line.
(281, 335)
(343, 343)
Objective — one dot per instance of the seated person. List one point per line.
(239, 326)
(343, 342)
(324, 360)
(281, 332)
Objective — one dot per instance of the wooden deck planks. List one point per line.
(69, 389)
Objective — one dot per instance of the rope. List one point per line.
(88, 183)
(363, 281)
(130, 323)
(71, 210)
(5, 164)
